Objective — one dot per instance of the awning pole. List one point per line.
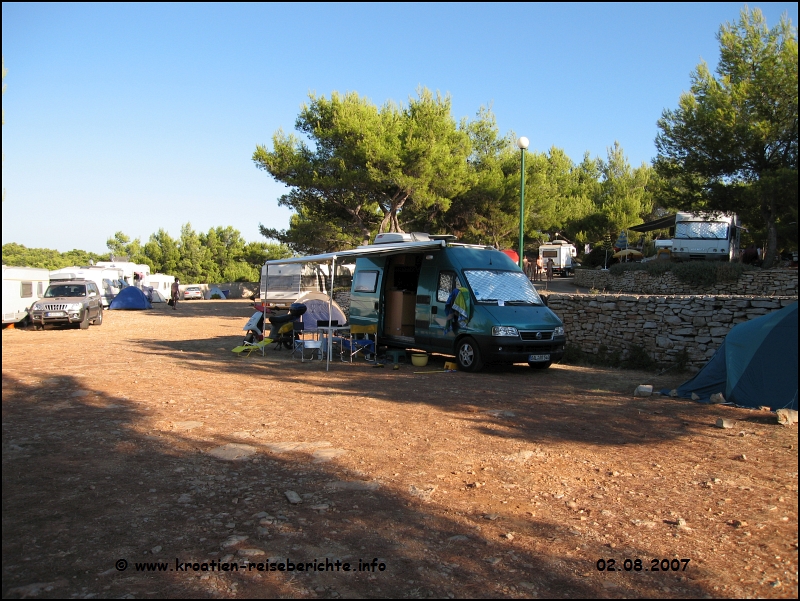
(330, 313)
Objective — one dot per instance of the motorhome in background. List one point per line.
(563, 254)
(705, 237)
(22, 286)
(163, 283)
(134, 274)
(109, 280)
(287, 282)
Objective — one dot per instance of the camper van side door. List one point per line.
(365, 294)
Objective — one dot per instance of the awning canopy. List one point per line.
(371, 250)
(658, 224)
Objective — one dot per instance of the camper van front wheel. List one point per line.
(468, 355)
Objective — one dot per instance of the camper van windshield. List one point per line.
(510, 287)
(701, 230)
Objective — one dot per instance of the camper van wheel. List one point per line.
(468, 355)
(540, 365)
(98, 321)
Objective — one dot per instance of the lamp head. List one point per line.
(522, 143)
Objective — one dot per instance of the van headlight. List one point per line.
(504, 331)
(559, 331)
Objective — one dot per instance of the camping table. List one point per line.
(329, 330)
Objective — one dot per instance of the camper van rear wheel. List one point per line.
(468, 355)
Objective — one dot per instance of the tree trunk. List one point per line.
(772, 240)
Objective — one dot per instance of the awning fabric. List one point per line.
(658, 224)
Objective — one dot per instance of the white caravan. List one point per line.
(109, 280)
(563, 254)
(287, 282)
(706, 237)
(134, 274)
(22, 286)
(163, 283)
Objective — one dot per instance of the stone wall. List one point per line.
(665, 326)
(767, 282)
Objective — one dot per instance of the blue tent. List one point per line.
(756, 364)
(130, 298)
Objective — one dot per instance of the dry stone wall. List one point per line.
(767, 282)
(665, 326)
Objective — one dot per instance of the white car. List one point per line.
(193, 292)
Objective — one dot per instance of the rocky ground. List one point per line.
(142, 456)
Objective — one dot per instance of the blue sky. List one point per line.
(135, 117)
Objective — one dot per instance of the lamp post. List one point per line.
(522, 143)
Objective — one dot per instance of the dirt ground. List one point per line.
(146, 441)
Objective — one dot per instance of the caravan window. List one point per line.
(40, 289)
(26, 289)
(447, 281)
(366, 281)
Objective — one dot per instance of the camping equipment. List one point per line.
(756, 365)
(130, 298)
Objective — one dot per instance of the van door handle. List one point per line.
(377, 305)
(434, 310)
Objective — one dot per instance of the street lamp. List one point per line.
(522, 143)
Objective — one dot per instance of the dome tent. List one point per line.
(130, 298)
(756, 365)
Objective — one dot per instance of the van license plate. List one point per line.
(534, 358)
(56, 314)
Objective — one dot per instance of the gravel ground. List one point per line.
(146, 441)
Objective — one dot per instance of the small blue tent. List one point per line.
(130, 298)
(756, 364)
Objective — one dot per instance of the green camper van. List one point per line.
(434, 294)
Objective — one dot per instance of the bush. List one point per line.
(216, 296)
(695, 273)
(638, 358)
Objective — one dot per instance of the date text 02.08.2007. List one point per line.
(640, 565)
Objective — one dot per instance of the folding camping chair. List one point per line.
(248, 347)
(305, 339)
(363, 339)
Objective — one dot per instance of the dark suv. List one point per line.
(69, 302)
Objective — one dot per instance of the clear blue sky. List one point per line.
(135, 117)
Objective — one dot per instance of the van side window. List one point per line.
(40, 289)
(26, 289)
(447, 280)
(366, 281)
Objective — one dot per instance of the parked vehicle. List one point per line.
(134, 274)
(21, 287)
(162, 282)
(288, 281)
(433, 294)
(68, 302)
(704, 236)
(193, 292)
(109, 280)
(563, 255)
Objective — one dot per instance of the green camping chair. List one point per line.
(248, 347)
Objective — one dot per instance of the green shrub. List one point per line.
(216, 296)
(638, 358)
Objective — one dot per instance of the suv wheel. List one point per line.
(468, 355)
(98, 321)
(84, 324)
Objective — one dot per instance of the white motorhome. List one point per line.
(134, 274)
(22, 286)
(109, 280)
(706, 237)
(163, 283)
(562, 253)
(287, 282)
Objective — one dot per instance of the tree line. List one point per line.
(355, 169)
(220, 255)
